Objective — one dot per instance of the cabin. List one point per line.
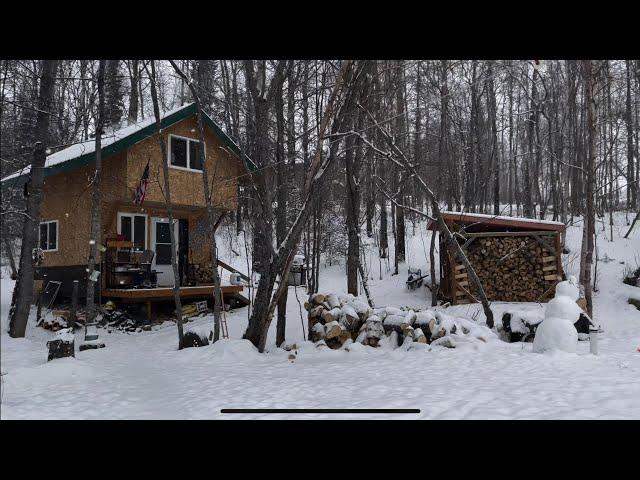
(136, 235)
(516, 259)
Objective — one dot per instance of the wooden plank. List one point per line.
(549, 268)
(143, 294)
(553, 277)
(233, 270)
(508, 222)
(459, 293)
(461, 275)
(458, 267)
(507, 234)
(463, 284)
(119, 243)
(550, 258)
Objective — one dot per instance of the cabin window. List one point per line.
(49, 236)
(184, 153)
(134, 229)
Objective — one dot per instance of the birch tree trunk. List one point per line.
(168, 205)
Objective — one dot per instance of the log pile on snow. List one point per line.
(337, 321)
(512, 268)
(201, 272)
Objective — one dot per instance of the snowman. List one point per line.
(557, 332)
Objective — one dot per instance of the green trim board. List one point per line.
(130, 140)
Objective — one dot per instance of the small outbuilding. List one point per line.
(516, 259)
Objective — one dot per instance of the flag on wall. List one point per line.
(141, 191)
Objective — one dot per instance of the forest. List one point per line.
(348, 148)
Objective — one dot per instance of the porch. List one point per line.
(231, 294)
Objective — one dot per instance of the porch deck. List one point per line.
(148, 295)
(143, 294)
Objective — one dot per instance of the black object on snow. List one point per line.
(581, 325)
(192, 339)
(60, 349)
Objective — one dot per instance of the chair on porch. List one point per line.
(150, 277)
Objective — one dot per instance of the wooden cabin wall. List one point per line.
(186, 186)
(67, 198)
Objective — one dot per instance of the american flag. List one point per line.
(141, 191)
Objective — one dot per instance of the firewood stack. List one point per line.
(336, 321)
(511, 269)
(201, 272)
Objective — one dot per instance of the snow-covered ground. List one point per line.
(143, 375)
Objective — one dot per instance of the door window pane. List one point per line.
(178, 152)
(163, 254)
(53, 230)
(162, 233)
(195, 159)
(139, 231)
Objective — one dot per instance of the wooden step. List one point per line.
(548, 268)
(459, 267)
(553, 277)
(550, 258)
(461, 275)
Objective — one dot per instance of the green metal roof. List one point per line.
(129, 140)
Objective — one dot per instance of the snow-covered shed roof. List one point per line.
(464, 218)
(81, 154)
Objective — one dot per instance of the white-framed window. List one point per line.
(133, 227)
(184, 153)
(49, 236)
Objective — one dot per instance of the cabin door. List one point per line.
(161, 244)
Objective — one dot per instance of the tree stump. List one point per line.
(62, 346)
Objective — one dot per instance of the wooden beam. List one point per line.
(233, 270)
(508, 234)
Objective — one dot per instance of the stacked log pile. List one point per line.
(201, 272)
(337, 321)
(511, 269)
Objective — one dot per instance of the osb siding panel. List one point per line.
(186, 187)
(67, 198)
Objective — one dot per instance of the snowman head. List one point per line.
(568, 289)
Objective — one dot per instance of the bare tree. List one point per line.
(96, 200)
(168, 205)
(23, 291)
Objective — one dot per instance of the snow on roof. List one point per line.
(83, 148)
(473, 216)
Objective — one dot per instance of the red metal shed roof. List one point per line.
(483, 220)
